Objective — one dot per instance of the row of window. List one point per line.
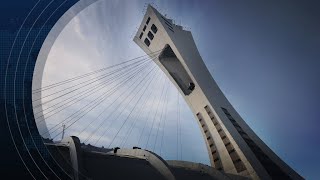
(150, 35)
(233, 154)
(273, 169)
(213, 149)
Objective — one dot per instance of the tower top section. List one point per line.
(153, 28)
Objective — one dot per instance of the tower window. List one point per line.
(150, 35)
(147, 42)
(154, 28)
(141, 35)
(144, 28)
(191, 86)
(148, 20)
(225, 111)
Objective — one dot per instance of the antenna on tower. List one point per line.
(63, 129)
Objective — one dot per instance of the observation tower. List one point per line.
(232, 145)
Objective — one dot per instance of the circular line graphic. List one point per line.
(71, 12)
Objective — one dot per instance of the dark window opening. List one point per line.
(150, 35)
(140, 35)
(171, 30)
(147, 42)
(211, 145)
(168, 24)
(216, 159)
(229, 116)
(165, 20)
(237, 125)
(208, 138)
(225, 111)
(148, 20)
(191, 86)
(154, 28)
(144, 28)
(242, 133)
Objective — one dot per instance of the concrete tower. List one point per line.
(232, 146)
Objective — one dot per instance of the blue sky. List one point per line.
(264, 56)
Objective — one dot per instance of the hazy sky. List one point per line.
(264, 56)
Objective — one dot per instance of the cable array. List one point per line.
(122, 105)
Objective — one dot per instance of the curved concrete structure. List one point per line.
(156, 161)
(89, 162)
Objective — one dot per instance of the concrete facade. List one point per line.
(232, 146)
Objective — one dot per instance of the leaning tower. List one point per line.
(232, 146)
